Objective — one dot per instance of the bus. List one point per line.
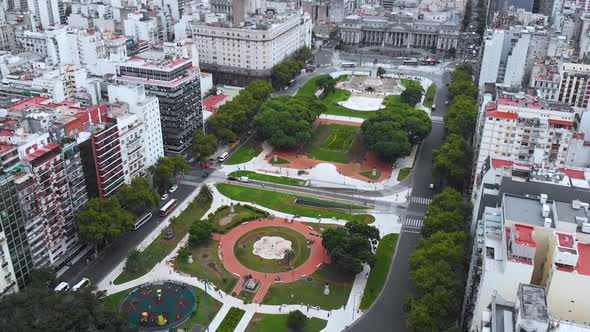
(223, 157)
(166, 209)
(410, 62)
(348, 65)
(141, 221)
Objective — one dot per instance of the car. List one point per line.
(232, 178)
(63, 286)
(85, 282)
(244, 179)
(164, 197)
(431, 186)
(206, 174)
(173, 188)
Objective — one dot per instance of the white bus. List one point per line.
(166, 209)
(63, 286)
(141, 221)
(85, 282)
(223, 157)
(348, 64)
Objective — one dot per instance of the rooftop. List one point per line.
(533, 305)
(583, 265)
(523, 210)
(151, 60)
(524, 235)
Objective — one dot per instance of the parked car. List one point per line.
(164, 196)
(232, 178)
(244, 179)
(206, 174)
(173, 188)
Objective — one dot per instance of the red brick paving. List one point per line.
(351, 170)
(317, 255)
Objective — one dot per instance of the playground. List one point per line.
(156, 307)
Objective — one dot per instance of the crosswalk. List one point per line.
(412, 225)
(420, 200)
(189, 183)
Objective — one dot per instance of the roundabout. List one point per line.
(236, 251)
(272, 249)
(156, 307)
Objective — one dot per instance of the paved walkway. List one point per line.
(317, 255)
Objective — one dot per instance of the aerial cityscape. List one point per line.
(295, 165)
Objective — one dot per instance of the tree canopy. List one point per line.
(284, 72)
(412, 93)
(286, 121)
(462, 117)
(166, 170)
(43, 309)
(204, 145)
(102, 220)
(349, 246)
(135, 261)
(394, 129)
(200, 232)
(137, 197)
(296, 320)
(304, 54)
(327, 83)
(451, 163)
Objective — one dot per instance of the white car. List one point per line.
(431, 186)
(173, 188)
(244, 179)
(164, 197)
(83, 283)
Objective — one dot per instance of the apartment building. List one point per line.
(574, 88)
(526, 130)
(545, 79)
(108, 159)
(531, 228)
(131, 130)
(505, 57)
(175, 81)
(238, 55)
(147, 108)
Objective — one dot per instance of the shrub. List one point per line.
(296, 320)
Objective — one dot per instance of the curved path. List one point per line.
(317, 255)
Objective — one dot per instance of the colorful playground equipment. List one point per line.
(159, 292)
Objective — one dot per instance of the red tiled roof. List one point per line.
(40, 152)
(21, 105)
(490, 107)
(561, 122)
(499, 163)
(524, 235)
(565, 240)
(583, 259)
(502, 115)
(211, 101)
(6, 133)
(572, 173)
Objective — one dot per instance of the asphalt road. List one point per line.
(387, 313)
(109, 258)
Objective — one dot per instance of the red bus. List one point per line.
(166, 209)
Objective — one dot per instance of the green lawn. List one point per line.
(244, 154)
(392, 100)
(113, 301)
(406, 82)
(269, 178)
(430, 94)
(243, 249)
(274, 323)
(403, 173)
(280, 161)
(369, 174)
(231, 320)
(160, 248)
(310, 87)
(242, 213)
(379, 272)
(331, 142)
(199, 317)
(206, 263)
(285, 203)
(332, 107)
(312, 292)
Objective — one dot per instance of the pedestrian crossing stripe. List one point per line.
(420, 200)
(189, 183)
(413, 222)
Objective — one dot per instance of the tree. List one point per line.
(304, 54)
(204, 145)
(296, 320)
(450, 200)
(327, 83)
(381, 71)
(166, 170)
(451, 162)
(43, 309)
(260, 89)
(286, 121)
(135, 261)
(350, 247)
(462, 117)
(437, 220)
(137, 197)
(43, 277)
(463, 87)
(393, 131)
(284, 72)
(412, 94)
(102, 220)
(200, 232)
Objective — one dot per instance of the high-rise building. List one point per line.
(131, 130)
(505, 57)
(108, 160)
(176, 84)
(575, 84)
